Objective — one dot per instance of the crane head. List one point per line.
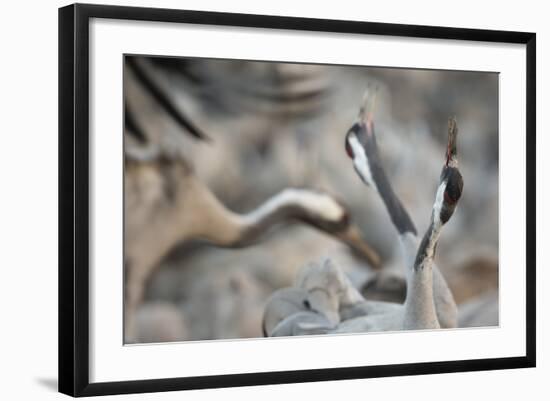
(451, 182)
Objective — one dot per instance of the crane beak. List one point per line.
(352, 236)
(368, 105)
(451, 143)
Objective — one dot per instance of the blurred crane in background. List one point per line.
(167, 204)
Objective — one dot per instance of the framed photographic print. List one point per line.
(251, 199)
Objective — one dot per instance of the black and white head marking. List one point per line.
(451, 191)
(357, 143)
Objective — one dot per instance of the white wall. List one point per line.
(28, 198)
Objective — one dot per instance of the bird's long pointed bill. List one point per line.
(352, 237)
(368, 107)
(451, 142)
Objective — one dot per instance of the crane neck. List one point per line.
(292, 204)
(398, 214)
(236, 230)
(426, 251)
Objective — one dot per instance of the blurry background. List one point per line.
(276, 125)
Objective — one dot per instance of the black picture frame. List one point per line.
(74, 198)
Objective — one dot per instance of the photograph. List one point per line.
(276, 199)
